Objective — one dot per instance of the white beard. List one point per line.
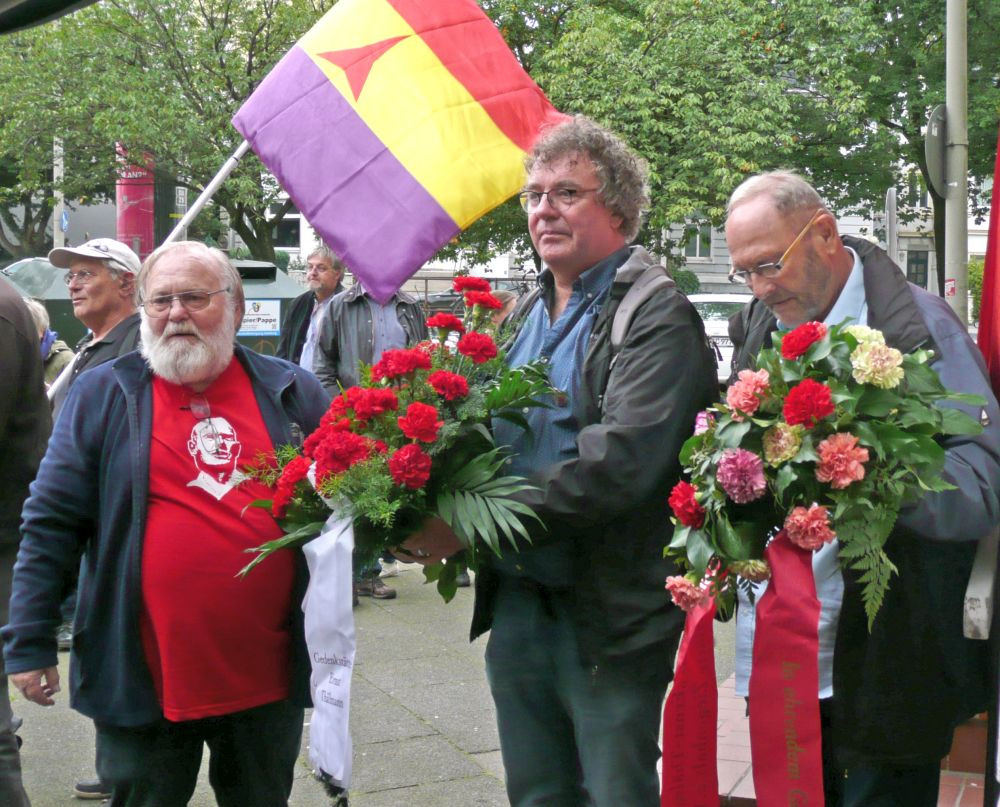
(181, 362)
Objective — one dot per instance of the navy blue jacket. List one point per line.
(90, 497)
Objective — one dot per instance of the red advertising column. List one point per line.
(134, 197)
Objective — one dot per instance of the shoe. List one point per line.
(91, 789)
(390, 568)
(462, 579)
(64, 636)
(373, 587)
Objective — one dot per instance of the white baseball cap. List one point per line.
(105, 249)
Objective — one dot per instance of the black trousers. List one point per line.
(252, 760)
(875, 785)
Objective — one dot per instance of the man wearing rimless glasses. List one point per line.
(890, 696)
(173, 651)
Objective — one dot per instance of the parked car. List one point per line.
(715, 310)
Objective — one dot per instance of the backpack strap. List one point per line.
(649, 280)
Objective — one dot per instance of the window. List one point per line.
(286, 232)
(916, 267)
(699, 243)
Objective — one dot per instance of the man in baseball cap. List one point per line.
(101, 279)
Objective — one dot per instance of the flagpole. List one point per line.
(227, 168)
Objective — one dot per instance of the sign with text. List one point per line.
(262, 318)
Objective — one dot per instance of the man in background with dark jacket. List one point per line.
(24, 428)
(300, 330)
(889, 698)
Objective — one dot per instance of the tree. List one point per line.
(710, 92)
(33, 78)
(165, 79)
(706, 92)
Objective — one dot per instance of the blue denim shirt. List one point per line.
(563, 346)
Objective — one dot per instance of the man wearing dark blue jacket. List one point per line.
(172, 650)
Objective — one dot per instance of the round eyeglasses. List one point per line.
(161, 304)
(559, 198)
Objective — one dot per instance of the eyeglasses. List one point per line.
(769, 270)
(559, 198)
(83, 277)
(161, 304)
(199, 407)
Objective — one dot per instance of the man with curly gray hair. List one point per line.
(582, 630)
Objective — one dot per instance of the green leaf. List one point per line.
(877, 403)
(297, 537)
(955, 421)
(699, 552)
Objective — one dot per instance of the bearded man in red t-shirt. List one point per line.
(175, 651)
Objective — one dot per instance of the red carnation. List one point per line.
(682, 501)
(479, 347)
(448, 385)
(467, 283)
(447, 322)
(370, 403)
(482, 298)
(396, 363)
(420, 422)
(807, 403)
(795, 343)
(293, 473)
(339, 451)
(410, 466)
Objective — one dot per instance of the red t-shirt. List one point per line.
(215, 643)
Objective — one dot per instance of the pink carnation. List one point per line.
(745, 394)
(741, 475)
(685, 594)
(841, 461)
(703, 421)
(809, 528)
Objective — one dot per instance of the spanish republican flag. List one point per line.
(989, 310)
(393, 125)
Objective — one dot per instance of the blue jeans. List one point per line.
(252, 760)
(570, 735)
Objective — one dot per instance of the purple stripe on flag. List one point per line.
(366, 206)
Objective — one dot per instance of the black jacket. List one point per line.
(900, 690)
(296, 325)
(611, 500)
(25, 419)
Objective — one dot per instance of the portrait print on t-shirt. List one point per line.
(215, 448)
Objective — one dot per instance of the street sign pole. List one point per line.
(956, 239)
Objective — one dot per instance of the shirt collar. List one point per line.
(851, 304)
(594, 280)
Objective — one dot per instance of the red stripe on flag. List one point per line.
(473, 51)
(989, 311)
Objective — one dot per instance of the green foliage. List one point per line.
(976, 288)
(686, 280)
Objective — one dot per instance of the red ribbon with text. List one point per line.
(785, 743)
(690, 718)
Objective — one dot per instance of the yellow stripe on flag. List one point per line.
(429, 121)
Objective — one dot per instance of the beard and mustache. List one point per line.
(184, 362)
